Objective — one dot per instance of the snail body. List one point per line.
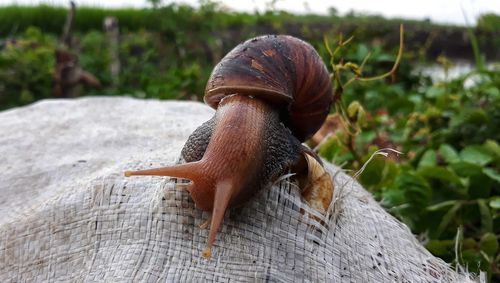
(271, 93)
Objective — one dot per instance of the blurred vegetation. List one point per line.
(169, 51)
(166, 18)
(447, 180)
(26, 68)
(448, 176)
(489, 22)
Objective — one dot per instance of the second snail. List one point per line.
(271, 93)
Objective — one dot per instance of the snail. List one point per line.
(271, 93)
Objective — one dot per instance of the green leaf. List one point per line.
(495, 203)
(393, 197)
(474, 261)
(440, 173)
(356, 112)
(489, 244)
(416, 189)
(480, 186)
(468, 243)
(493, 147)
(448, 153)
(493, 91)
(474, 116)
(372, 175)
(441, 205)
(434, 92)
(476, 154)
(391, 171)
(496, 225)
(333, 150)
(492, 174)
(486, 219)
(428, 159)
(447, 218)
(466, 169)
(441, 247)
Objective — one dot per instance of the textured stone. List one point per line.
(68, 214)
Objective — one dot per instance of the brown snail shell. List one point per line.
(282, 70)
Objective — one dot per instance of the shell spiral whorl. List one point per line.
(282, 70)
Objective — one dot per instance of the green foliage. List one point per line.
(448, 176)
(489, 22)
(214, 18)
(169, 57)
(169, 51)
(51, 19)
(152, 66)
(26, 68)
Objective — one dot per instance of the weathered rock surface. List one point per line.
(68, 214)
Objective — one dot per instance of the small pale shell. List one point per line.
(317, 189)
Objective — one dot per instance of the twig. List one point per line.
(66, 38)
